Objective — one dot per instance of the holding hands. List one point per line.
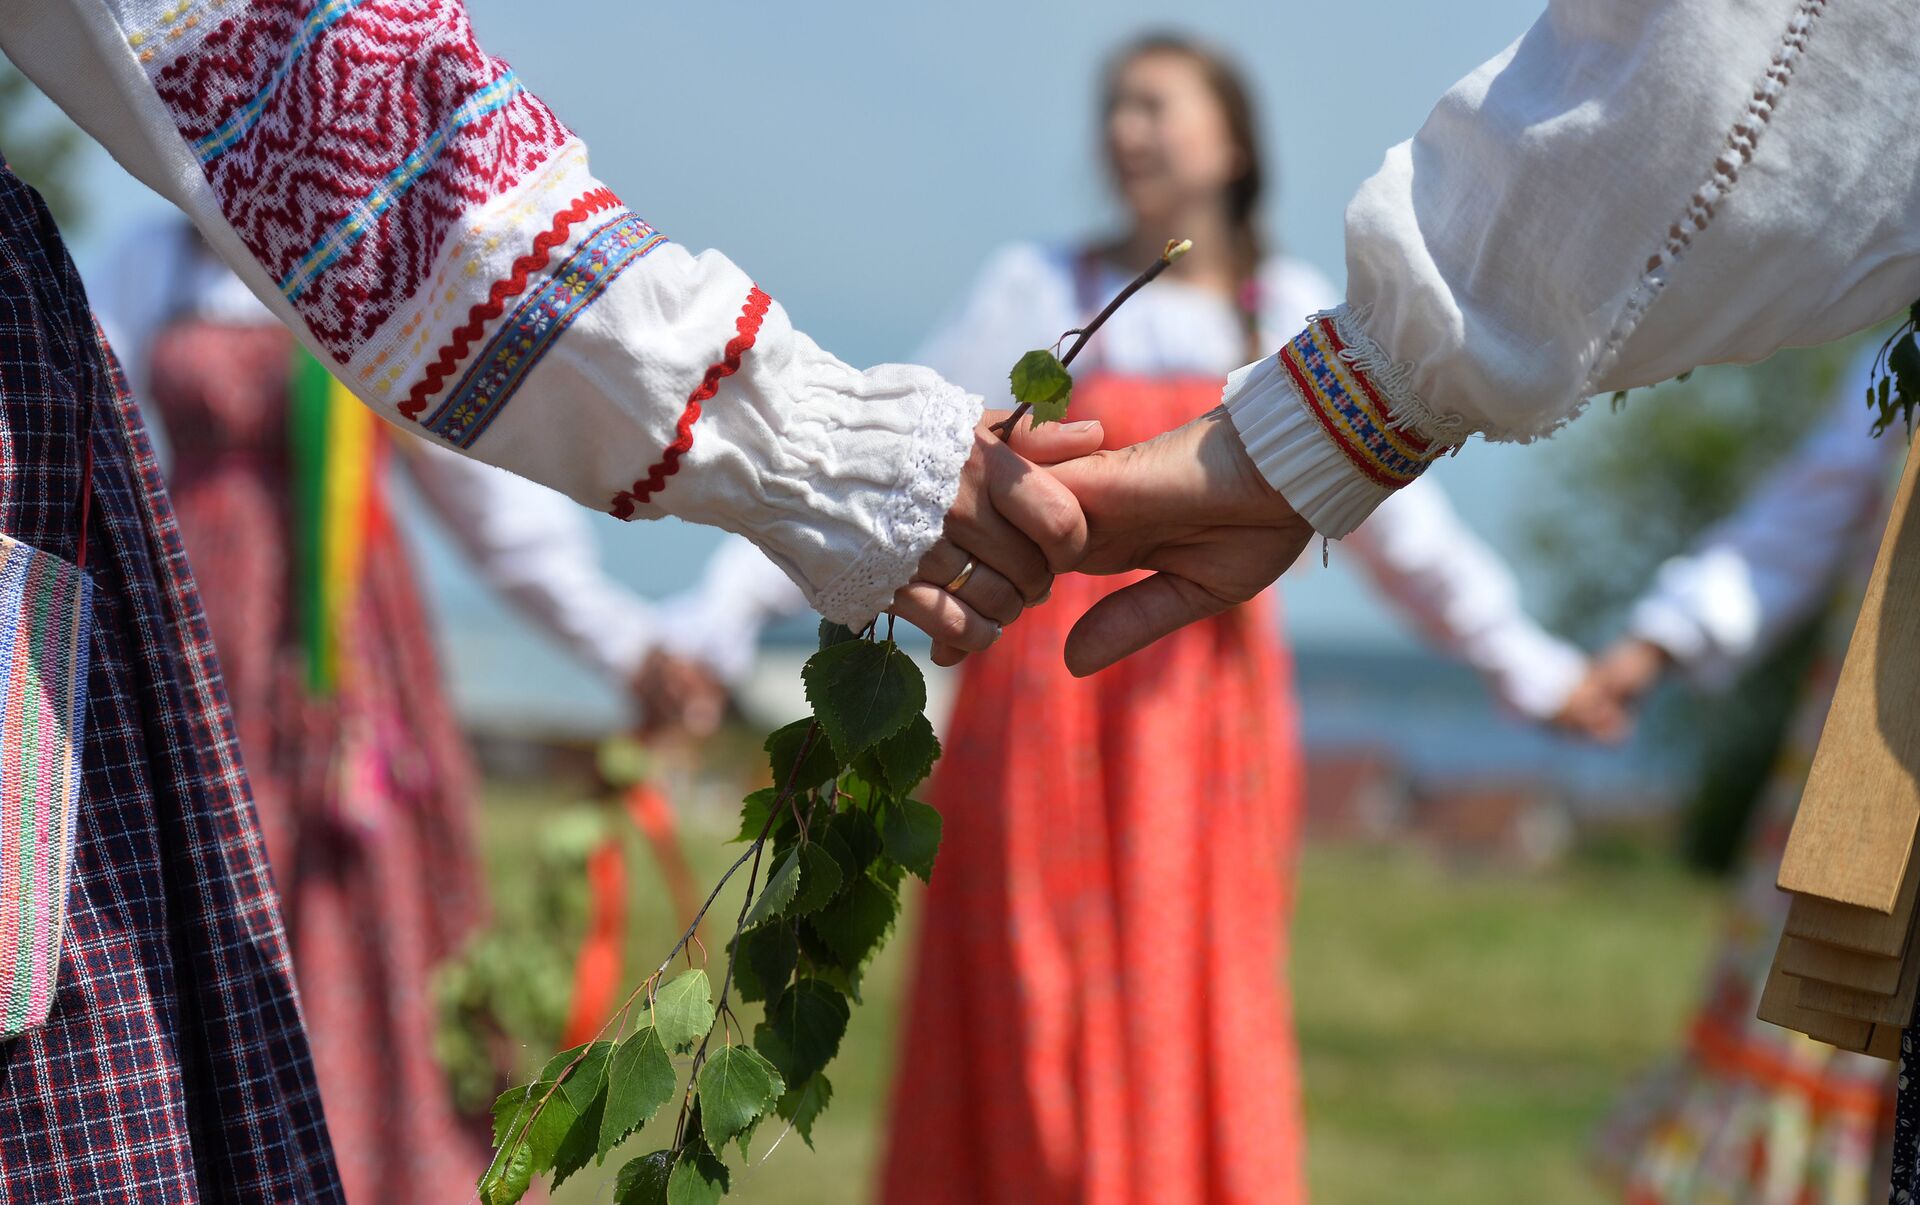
(1604, 706)
(1012, 527)
(1189, 504)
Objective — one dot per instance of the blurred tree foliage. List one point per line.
(1624, 491)
(41, 145)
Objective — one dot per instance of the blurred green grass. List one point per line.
(1462, 1032)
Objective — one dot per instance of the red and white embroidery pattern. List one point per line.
(344, 140)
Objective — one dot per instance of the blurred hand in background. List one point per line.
(1606, 704)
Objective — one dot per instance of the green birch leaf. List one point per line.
(643, 1181)
(683, 1011)
(832, 633)
(753, 814)
(1904, 360)
(512, 1109)
(907, 755)
(869, 777)
(820, 879)
(824, 963)
(803, 1105)
(861, 837)
(803, 1029)
(862, 693)
(854, 925)
(639, 1080)
(783, 753)
(583, 1083)
(509, 1177)
(767, 954)
(736, 1086)
(745, 1138)
(843, 855)
(1041, 381)
(782, 883)
(699, 1178)
(911, 832)
(548, 1129)
(522, 1121)
(581, 1143)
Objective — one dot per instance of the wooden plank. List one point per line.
(1896, 1009)
(1881, 934)
(1885, 1043)
(1805, 959)
(1779, 1006)
(1854, 831)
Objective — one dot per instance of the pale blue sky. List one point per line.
(861, 159)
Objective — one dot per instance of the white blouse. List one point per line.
(434, 234)
(529, 544)
(1453, 588)
(1750, 579)
(1631, 189)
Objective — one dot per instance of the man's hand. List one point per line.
(1012, 527)
(1191, 505)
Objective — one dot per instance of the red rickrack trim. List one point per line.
(748, 329)
(462, 339)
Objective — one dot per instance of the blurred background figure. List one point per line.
(362, 779)
(1117, 863)
(1749, 1111)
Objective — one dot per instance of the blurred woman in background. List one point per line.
(364, 786)
(1097, 1013)
(1749, 1111)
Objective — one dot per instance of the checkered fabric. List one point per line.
(173, 1066)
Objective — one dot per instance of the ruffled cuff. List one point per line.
(1332, 423)
(915, 510)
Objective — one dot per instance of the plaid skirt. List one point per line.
(173, 1066)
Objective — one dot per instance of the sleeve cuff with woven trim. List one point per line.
(1319, 426)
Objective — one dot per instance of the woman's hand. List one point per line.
(1190, 504)
(1012, 527)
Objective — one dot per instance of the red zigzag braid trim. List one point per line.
(463, 337)
(747, 329)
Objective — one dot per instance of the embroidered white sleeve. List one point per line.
(449, 251)
(1638, 187)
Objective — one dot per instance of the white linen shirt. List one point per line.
(1630, 190)
(433, 233)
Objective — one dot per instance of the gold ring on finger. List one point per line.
(961, 578)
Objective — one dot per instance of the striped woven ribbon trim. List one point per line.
(1341, 395)
(45, 625)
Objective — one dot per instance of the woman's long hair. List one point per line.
(1246, 191)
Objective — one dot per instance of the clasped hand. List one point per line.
(1189, 505)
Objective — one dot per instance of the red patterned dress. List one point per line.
(1098, 1010)
(365, 796)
